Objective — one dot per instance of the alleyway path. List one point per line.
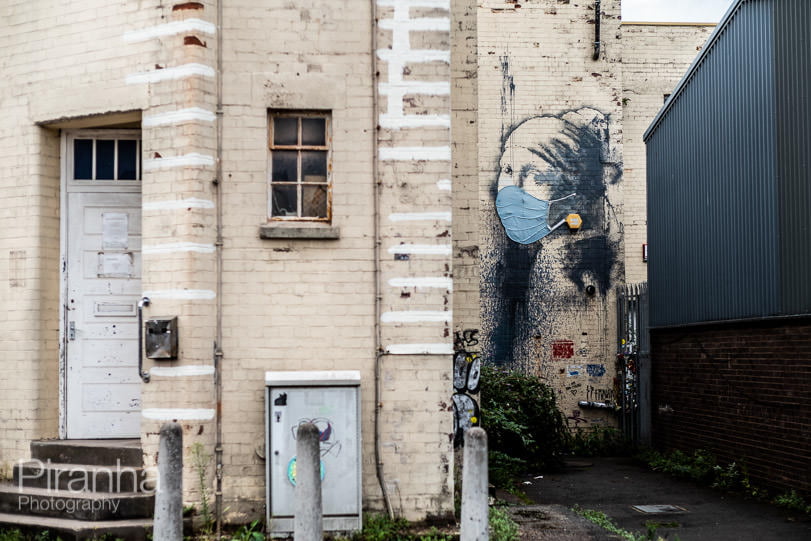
(615, 485)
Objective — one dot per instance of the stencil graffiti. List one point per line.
(549, 166)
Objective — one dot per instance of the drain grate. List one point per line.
(658, 509)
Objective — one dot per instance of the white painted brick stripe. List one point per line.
(416, 316)
(438, 24)
(181, 371)
(172, 247)
(167, 74)
(444, 184)
(416, 87)
(176, 204)
(187, 160)
(421, 249)
(396, 122)
(415, 153)
(180, 414)
(420, 216)
(180, 116)
(414, 56)
(440, 282)
(169, 29)
(181, 294)
(420, 349)
(442, 4)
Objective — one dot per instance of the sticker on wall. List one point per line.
(595, 370)
(291, 471)
(574, 370)
(114, 230)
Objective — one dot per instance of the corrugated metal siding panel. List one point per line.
(712, 219)
(793, 59)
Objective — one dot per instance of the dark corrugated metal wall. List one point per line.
(712, 198)
(792, 72)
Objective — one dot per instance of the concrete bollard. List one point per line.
(168, 525)
(308, 524)
(475, 498)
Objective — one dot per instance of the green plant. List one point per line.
(502, 526)
(249, 532)
(524, 426)
(11, 535)
(200, 460)
(793, 502)
(383, 528)
(599, 441)
(601, 519)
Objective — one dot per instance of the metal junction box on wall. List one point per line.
(330, 400)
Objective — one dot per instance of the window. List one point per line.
(300, 184)
(98, 157)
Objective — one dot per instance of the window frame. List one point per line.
(299, 148)
(115, 134)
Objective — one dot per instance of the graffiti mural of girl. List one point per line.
(550, 166)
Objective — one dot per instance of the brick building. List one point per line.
(549, 104)
(279, 178)
(729, 292)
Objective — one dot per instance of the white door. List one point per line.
(103, 286)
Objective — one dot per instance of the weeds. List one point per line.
(793, 502)
(200, 460)
(249, 532)
(599, 441)
(703, 468)
(601, 519)
(502, 526)
(524, 426)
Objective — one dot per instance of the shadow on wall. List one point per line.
(536, 270)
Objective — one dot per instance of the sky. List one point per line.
(704, 11)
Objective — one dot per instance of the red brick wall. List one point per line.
(741, 391)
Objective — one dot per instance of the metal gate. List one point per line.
(633, 362)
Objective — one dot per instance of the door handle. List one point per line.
(72, 330)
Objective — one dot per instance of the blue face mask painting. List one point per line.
(525, 218)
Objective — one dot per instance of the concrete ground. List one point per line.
(615, 485)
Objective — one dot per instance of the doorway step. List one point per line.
(80, 489)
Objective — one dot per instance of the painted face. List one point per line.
(547, 160)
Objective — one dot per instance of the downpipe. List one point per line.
(597, 44)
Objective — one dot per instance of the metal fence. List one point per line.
(633, 363)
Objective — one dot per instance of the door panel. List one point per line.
(103, 390)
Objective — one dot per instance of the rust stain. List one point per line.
(188, 5)
(193, 40)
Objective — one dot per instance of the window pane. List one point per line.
(83, 159)
(313, 166)
(284, 165)
(105, 159)
(284, 200)
(313, 131)
(314, 201)
(285, 131)
(127, 159)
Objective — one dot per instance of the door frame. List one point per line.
(65, 167)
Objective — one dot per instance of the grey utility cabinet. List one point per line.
(330, 400)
